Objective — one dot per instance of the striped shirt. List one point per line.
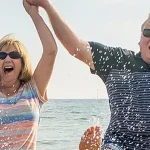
(127, 79)
(19, 118)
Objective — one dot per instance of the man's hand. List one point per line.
(91, 140)
(30, 9)
(41, 3)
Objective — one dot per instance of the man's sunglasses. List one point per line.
(146, 33)
(12, 55)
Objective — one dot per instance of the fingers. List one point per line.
(31, 2)
(92, 133)
(89, 131)
(98, 131)
(86, 134)
(23, 2)
(93, 130)
(97, 128)
(91, 139)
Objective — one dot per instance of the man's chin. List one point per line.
(146, 59)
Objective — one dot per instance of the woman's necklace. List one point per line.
(9, 94)
(15, 89)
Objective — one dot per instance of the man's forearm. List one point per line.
(64, 33)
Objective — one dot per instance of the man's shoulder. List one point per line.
(115, 49)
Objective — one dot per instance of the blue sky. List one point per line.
(110, 22)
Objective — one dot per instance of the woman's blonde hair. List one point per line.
(26, 69)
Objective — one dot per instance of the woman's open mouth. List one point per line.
(8, 69)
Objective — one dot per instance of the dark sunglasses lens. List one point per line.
(146, 32)
(3, 55)
(14, 55)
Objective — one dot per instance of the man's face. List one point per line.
(145, 48)
(145, 43)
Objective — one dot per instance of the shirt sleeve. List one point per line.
(107, 58)
(42, 99)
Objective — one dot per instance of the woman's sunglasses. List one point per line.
(13, 55)
(146, 33)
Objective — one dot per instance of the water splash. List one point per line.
(95, 121)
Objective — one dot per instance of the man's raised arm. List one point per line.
(74, 45)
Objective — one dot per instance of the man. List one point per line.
(126, 76)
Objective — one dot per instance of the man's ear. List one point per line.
(138, 43)
(140, 40)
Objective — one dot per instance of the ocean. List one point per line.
(63, 122)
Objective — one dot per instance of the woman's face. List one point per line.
(10, 68)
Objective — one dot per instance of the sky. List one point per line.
(110, 22)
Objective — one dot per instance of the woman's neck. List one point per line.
(10, 88)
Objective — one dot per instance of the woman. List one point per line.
(22, 93)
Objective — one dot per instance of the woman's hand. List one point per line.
(41, 3)
(30, 9)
